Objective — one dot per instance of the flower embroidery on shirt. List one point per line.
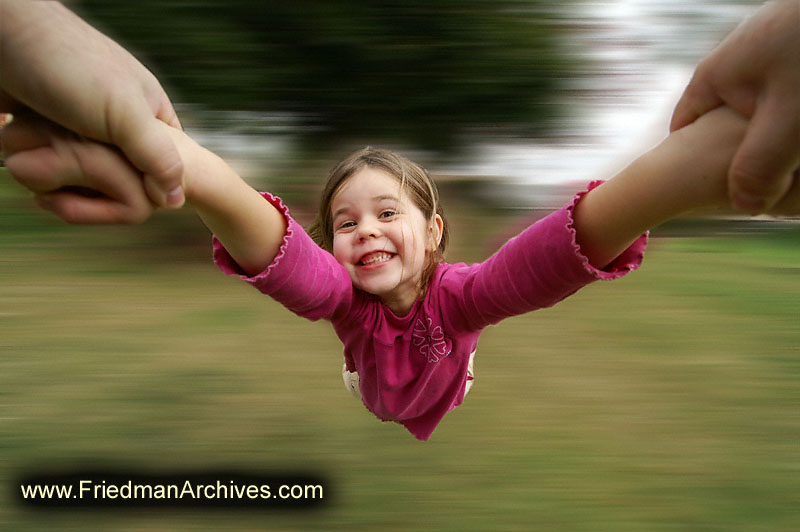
(430, 340)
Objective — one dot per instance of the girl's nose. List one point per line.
(368, 229)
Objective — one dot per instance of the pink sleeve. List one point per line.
(536, 269)
(303, 277)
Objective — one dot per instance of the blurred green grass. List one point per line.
(665, 401)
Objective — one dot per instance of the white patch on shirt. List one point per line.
(351, 382)
(353, 385)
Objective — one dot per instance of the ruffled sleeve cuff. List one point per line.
(228, 265)
(628, 261)
(303, 277)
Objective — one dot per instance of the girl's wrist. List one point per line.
(202, 169)
(210, 185)
(704, 150)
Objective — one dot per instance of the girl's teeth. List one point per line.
(376, 258)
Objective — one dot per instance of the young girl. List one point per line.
(373, 262)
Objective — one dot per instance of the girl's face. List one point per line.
(381, 237)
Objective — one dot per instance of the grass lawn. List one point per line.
(665, 401)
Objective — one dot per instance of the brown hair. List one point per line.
(414, 180)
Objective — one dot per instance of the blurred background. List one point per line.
(666, 401)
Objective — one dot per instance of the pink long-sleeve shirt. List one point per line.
(413, 368)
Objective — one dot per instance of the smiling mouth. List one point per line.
(375, 258)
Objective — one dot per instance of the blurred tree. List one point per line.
(419, 71)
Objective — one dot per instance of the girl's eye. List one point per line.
(388, 213)
(346, 225)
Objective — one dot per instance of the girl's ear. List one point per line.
(435, 230)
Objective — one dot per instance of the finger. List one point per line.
(152, 183)
(156, 155)
(152, 186)
(107, 171)
(42, 169)
(92, 183)
(761, 170)
(94, 186)
(697, 99)
(150, 148)
(76, 207)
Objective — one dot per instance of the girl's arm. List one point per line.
(249, 227)
(687, 171)
(48, 158)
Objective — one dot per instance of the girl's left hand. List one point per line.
(81, 181)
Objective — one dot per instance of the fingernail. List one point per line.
(749, 203)
(175, 198)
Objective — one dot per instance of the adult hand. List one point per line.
(54, 63)
(756, 71)
(80, 180)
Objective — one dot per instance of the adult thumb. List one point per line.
(761, 170)
(148, 146)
